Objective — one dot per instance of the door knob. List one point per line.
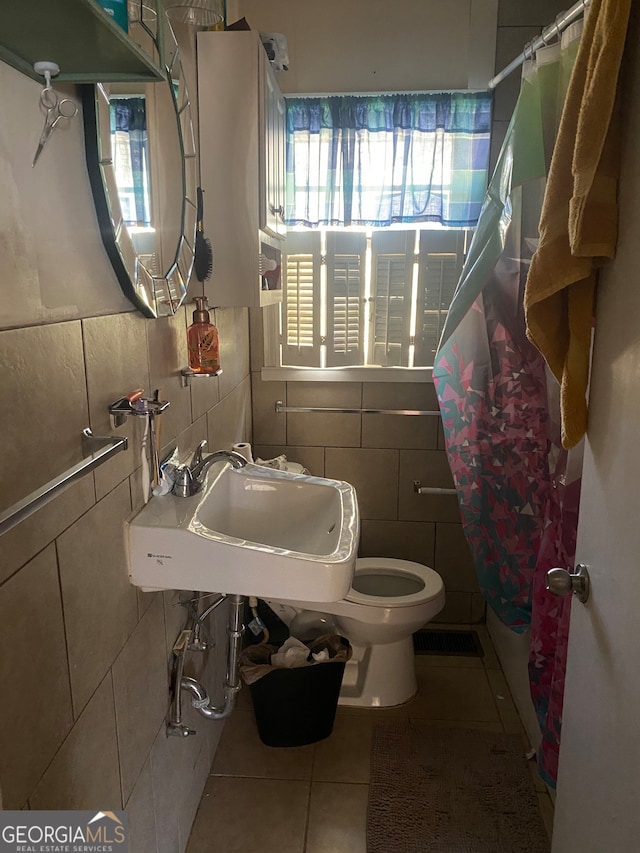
(562, 582)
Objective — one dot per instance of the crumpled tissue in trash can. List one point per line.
(257, 661)
(292, 653)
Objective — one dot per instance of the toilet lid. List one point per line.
(380, 582)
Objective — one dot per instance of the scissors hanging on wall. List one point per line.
(56, 108)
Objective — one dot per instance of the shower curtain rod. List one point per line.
(563, 20)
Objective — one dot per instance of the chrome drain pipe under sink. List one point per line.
(199, 696)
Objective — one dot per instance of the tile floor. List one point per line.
(313, 799)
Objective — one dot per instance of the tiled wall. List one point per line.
(85, 661)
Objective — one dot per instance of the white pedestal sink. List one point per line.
(250, 531)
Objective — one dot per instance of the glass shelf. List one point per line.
(79, 36)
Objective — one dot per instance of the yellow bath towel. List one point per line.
(578, 224)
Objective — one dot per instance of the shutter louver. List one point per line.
(345, 290)
(441, 259)
(299, 301)
(301, 344)
(440, 283)
(346, 304)
(392, 269)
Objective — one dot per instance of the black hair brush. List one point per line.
(203, 259)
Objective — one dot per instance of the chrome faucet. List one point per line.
(190, 478)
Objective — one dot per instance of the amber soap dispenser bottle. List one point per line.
(202, 340)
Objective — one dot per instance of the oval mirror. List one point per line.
(141, 157)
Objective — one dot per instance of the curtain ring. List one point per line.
(557, 25)
(528, 50)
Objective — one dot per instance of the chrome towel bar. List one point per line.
(419, 489)
(99, 448)
(281, 408)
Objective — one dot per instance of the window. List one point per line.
(131, 158)
(364, 298)
(379, 160)
(388, 188)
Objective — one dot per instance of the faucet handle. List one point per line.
(197, 454)
(183, 486)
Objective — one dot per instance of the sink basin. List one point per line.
(250, 531)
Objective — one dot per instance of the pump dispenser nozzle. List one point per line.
(201, 315)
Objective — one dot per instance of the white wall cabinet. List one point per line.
(242, 164)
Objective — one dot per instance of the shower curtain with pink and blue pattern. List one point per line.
(518, 489)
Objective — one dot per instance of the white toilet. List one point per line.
(388, 601)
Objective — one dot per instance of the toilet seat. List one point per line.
(414, 583)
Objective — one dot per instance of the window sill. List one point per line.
(347, 374)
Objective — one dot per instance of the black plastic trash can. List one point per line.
(294, 707)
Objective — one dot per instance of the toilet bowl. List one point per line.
(388, 601)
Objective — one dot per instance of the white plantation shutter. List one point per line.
(392, 268)
(301, 303)
(441, 260)
(367, 308)
(345, 298)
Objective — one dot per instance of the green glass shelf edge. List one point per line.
(79, 36)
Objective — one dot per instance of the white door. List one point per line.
(598, 802)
